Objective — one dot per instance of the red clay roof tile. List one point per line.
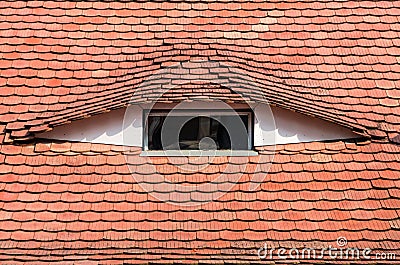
(280, 20)
(334, 60)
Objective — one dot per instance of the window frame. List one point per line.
(196, 113)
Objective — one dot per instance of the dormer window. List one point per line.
(198, 130)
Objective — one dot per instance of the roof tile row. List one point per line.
(82, 205)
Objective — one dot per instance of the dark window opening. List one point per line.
(197, 131)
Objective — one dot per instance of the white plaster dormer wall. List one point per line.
(277, 127)
(107, 128)
(292, 127)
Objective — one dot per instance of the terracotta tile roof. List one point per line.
(70, 201)
(74, 200)
(60, 60)
(78, 202)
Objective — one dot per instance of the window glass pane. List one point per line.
(200, 132)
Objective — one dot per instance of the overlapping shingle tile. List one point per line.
(339, 60)
(56, 203)
(78, 202)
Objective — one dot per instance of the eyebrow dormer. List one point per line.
(262, 128)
